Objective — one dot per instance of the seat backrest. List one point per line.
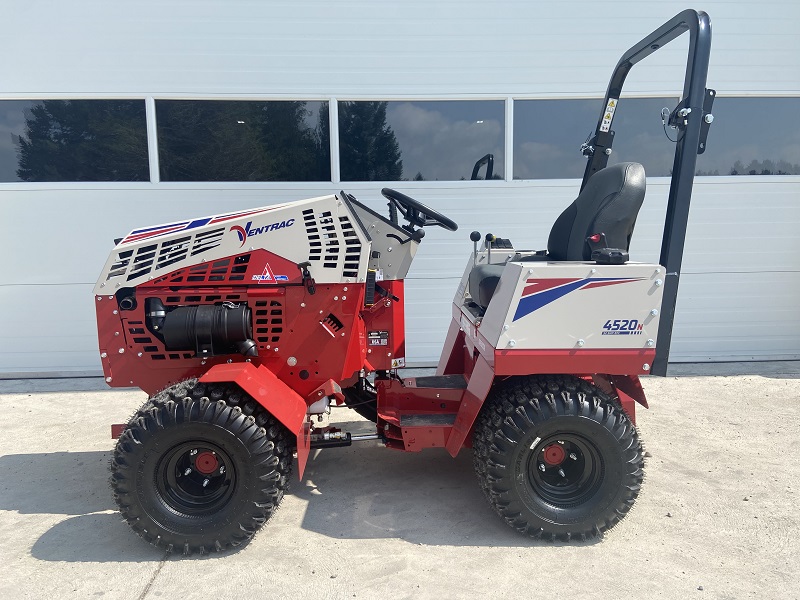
(608, 204)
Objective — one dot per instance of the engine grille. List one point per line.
(149, 259)
(226, 270)
(333, 242)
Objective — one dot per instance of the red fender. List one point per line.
(480, 382)
(274, 395)
(627, 387)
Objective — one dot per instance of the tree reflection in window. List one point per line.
(212, 140)
(77, 140)
(419, 141)
(368, 148)
(752, 136)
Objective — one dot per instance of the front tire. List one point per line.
(200, 468)
(556, 458)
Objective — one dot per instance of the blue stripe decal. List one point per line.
(536, 301)
(138, 231)
(198, 223)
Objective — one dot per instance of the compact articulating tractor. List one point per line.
(246, 327)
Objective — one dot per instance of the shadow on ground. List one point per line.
(351, 493)
(427, 498)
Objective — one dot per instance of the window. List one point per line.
(752, 136)
(73, 140)
(548, 135)
(421, 141)
(212, 140)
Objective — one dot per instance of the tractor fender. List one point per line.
(480, 382)
(627, 387)
(281, 401)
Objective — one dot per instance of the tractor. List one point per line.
(245, 329)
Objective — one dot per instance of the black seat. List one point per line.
(609, 204)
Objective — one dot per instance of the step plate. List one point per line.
(428, 420)
(445, 382)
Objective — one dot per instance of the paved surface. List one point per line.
(718, 516)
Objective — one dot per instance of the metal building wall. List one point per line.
(741, 268)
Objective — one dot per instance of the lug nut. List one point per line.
(541, 467)
(561, 472)
(205, 482)
(187, 471)
(573, 456)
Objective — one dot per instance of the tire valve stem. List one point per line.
(561, 472)
(573, 456)
(541, 467)
(187, 471)
(205, 482)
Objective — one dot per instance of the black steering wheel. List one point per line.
(415, 212)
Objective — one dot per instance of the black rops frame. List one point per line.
(692, 123)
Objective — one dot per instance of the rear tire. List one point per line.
(200, 468)
(556, 458)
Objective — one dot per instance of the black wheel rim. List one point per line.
(565, 470)
(195, 478)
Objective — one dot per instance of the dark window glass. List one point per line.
(433, 140)
(73, 140)
(548, 135)
(213, 140)
(752, 136)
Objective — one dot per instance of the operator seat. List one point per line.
(609, 204)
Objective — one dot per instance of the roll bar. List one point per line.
(692, 118)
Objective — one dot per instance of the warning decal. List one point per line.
(605, 126)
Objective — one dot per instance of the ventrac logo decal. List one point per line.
(541, 292)
(249, 231)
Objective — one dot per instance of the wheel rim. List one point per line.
(195, 478)
(565, 470)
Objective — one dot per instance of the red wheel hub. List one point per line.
(554, 454)
(206, 463)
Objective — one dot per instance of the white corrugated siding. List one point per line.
(741, 271)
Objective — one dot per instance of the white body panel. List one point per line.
(336, 238)
(568, 305)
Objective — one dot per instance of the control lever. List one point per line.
(475, 236)
(489, 239)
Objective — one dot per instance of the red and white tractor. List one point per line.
(244, 328)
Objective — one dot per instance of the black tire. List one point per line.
(200, 468)
(556, 458)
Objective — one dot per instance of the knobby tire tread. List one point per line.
(517, 407)
(269, 447)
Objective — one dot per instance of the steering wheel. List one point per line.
(415, 212)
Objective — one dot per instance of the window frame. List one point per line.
(508, 181)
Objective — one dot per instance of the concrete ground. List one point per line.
(717, 518)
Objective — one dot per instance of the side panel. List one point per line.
(556, 305)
